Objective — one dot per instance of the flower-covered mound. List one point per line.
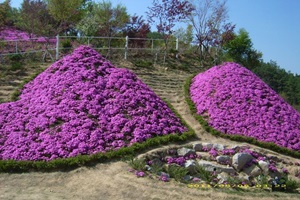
(82, 104)
(9, 33)
(236, 101)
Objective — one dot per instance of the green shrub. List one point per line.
(137, 164)
(66, 45)
(202, 173)
(16, 62)
(177, 172)
(143, 63)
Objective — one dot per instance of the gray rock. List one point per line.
(236, 147)
(219, 147)
(208, 166)
(252, 171)
(242, 177)
(208, 145)
(224, 160)
(185, 151)
(163, 174)
(197, 147)
(187, 178)
(264, 166)
(223, 177)
(190, 165)
(239, 160)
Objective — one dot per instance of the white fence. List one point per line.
(60, 44)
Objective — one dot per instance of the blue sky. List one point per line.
(273, 25)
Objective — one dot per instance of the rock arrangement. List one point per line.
(216, 164)
(235, 101)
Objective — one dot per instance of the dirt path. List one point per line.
(109, 181)
(113, 180)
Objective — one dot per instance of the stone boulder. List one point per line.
(252, 171)
(185, 151)
(197, 147)
(209, 166)
(222, 177)
(239, 160)
(219, 147)
(224, 160)
(264, 166)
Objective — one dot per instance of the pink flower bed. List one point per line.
(25, 42)
(236, 101)
(82, 104)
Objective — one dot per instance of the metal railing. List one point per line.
(58, 45)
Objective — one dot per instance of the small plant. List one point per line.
(262, 181)
(177, 172)
(16, 62)
(67, 45)
(291, 185)
(137, 164)
(202, 173)
(143, 63)
(156, 168)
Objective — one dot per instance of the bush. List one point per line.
(66, 45)
(16, 61)
(143, 63)
(177, 172)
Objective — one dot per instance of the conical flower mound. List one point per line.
(82, 104)
(236, 101)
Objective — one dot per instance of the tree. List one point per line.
(185, 36)
(209, 19)
(5, 11)
(240, 49)
(165, 14)
(137, 28)
(35, 19)
(67, 12)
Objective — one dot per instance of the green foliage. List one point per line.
(66, 45)
(284, 83)
(104, 20)
(262, 180)
(203, 174)
(16, 61)
(291, 185)
(239, 138)
(143, 63)
(34, 18)
(5, 10)
(67, 12)
(137, 164)
(177, 172)
(240, 49)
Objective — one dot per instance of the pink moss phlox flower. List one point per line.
(82, 104)
(235, 101)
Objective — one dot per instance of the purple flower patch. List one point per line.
(236, 101)
(82, 104)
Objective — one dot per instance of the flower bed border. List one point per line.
(239, 138)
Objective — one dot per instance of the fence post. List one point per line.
(57, 47)
(152, 45)
(126, 47)
(17, 46)
(177, 47)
